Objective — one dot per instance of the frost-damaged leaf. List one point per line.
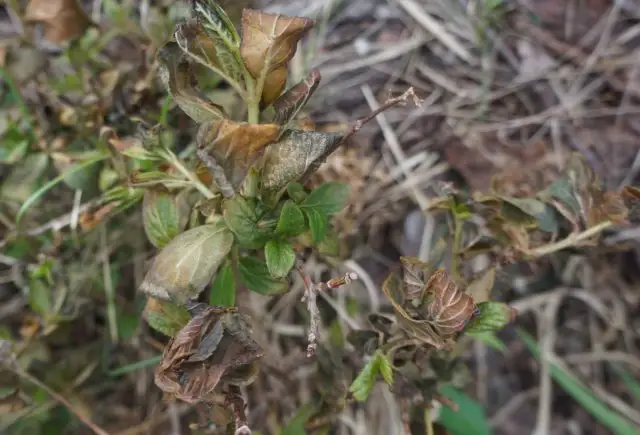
(280, 258)
(631, 197)
(213, 347)
(242, 218)
(449, 308)
(63, 19)
(289, 104)
(480, 288)
(493, 316)
(596, 205)
(269, 41)
(177, 77)
(164, 216)
(415, 328)
(187, 264)
(414, 275)
(255, 275)
(211, 51)
(165, 317)
(294, 157)
(229, 149)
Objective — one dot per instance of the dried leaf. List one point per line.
(606, 206)
(421, 330)
(229, 149)
(415, 274)
(631, 198)
(214, 346)
(63, 19)
(448, 307)
(187, 264)
(177, 77)
(295, 156)
(289, 104)
(269, 41)
(480, 288)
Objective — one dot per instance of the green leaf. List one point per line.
(385, 367)
(291, 222)
(162, 216)
(539, 210)
(280, 258)
(318, 224)
(470, 418)
(166, 317)
(223, 290)
(242, 218)
(187, 264)
(256, 277)
(490, 339)
(364, 383)
(44, 189)
(23, 177)
(39, 297)
(141, 153)
(14, 146)
(297, 192)
(296, 424)
(582, 393)
(562, 190)
(328, 198)
(493, 317)
(85, 179)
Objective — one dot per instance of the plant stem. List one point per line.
(109, 291)
(427, 420)
(457, 236)
(252, 100)
(176, 163)
(572, 239)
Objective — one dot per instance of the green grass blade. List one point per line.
(44, 189)
(583, 394)
(632, 384)
(470, 419)
(138, 365)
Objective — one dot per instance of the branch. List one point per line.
(310, 297)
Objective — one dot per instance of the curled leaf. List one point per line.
(269, 41)
(214, 346)
(292, 158)
(631, 197)
(177, 77)
(187, 264)
(415, 274)
(289, 104)
(229, 149)
(419, 329)
(449, 308)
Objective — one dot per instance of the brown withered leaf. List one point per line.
(63, 19)
(419, 329)
(631, 197)
(596, 204)
(212, 347)
(177, 77)
(296, 155)
(269, 41)
(480, 288)
(415, 274)
(229, 149)
(448, 307)
(211, 50)
(289, 104)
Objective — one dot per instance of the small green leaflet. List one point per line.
(493, 317)
(364, 383)
(280, 257)
(223, 290)
(291, 222)
(256, 277)
(328, 198)
(318, 223)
